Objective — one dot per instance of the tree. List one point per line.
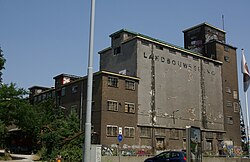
(2, 62)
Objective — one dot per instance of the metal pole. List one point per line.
(87, 137)
(247, 117)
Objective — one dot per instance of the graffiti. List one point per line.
(126, 150)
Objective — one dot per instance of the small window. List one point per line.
(112, 105)
(129, 132)
(112, 82)
(145, 132)
(229, 104)
(112, 130)
(159, 47)
(236, 107)
(226, 48)
(228, 90)
(209, 145)
(63, 91)
(227, 58)
(229, 120)
(129, 107)
(117, 50)
(74, 89)
(235, 95)
(209, 135)
(117, 36)
(129, 84)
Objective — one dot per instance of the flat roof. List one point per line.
(203, 24)
(163, 43)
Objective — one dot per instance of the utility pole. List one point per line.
(87, 137)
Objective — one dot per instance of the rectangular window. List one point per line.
(129, 84)
(159, 47)
(227, 58)
(112, 130)
(74, 89)
(129, 132)
(229, 120)
(236, 107)
(129, 107)
(235, 95)
(226, 48)
(63, 91)
(145, 132)
(112, 82)
(117, 51)
(112, 105)
(228, 90)
(229, 104)
(209, 145)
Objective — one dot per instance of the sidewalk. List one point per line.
(19, 157)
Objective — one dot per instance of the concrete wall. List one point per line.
(142, 158)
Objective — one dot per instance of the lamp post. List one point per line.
(174, 116)
(87, 137)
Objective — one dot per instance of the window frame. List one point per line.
(114, 130)
(129, 107)
(111, 108)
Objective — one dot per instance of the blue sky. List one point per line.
(44, 38)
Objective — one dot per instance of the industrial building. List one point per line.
(150, 90)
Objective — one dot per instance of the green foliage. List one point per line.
(47, 126)
(60, 136)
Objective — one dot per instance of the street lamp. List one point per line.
(173, 115)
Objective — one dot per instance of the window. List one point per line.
(129, 84)
(219, 136)
(229, 104)
(236, 107)
(235, 95)
(228, 90)
(117, 36)
(159, 47)
(112, 105)
(209, 145)
(129, 107)
(226, 48)
(74, 89)
(160, 132)
(129, 132)
(112, 82)
(63, 91)
(227, 58)
(145, 132)
(229, 120)
(117, 51)
(174, 134)
(111, 130)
